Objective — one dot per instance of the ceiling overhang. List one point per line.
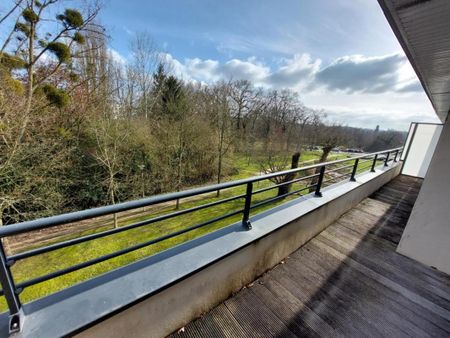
(423, 30)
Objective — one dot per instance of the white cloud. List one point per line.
(347, 74)
(176, 67)
(211, 70)
(129, 31)
(250, 70)
(117, 57)
(205, 70)
(389, 110)
(357, 73)
(354, 90)
(295, 72)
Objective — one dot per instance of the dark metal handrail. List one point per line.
(316, 174)
(76, 216)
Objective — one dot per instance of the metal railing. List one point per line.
(317, 176)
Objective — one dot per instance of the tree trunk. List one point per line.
(116, 223)
(4, 240)
(30, 79)
(284, 189)
(220, 151)
(219, 172)
(323, 158)
(180, 164)
(113, 198)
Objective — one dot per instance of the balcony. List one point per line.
(316, 259)
(347, 281)
(166, 290)
(323, 263)
(351, 248)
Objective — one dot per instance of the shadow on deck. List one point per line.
(347, 281)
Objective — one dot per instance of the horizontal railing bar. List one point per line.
(366, 160)
(91, 237)
(31, 282)
(340, 168)
(361, 163)
(365, 167)
(335, 178)
(343, 160)
(284, 183)
(257, 205)
(41, 223)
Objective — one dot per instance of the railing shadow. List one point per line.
(339, 283)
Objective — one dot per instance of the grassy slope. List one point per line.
(59, 259)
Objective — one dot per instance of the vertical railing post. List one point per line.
(318, 193)
(374, 163)
(396, 155)
(248, 202)
(355, 167)
(386, 160)
(9, 291)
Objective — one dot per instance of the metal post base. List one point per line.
(15, 322)
(247, 224)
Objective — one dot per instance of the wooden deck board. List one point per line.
(347, 281)
(225, 321)
(304, 314)
(295, 323)
(397, 311)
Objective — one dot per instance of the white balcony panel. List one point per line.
(419, 152)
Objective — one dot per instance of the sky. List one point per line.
(340, 56)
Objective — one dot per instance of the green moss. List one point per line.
(55, 96)
(79, 38)
(73, 76)
(64, 133)
(42, 43)
(71, 18)
(11, 61)
(23, 27)
(61, 51)
(29, 15)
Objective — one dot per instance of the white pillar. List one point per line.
(427, 234)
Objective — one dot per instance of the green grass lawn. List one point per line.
(42, 264)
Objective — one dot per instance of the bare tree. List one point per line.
(331, 137)
(273, 165)
(143, 65)
(110, 135)
(221, 122)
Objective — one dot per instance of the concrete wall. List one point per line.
(176, 306)
(421, 148)
(427, 235)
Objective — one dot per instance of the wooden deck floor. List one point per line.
(348, 281)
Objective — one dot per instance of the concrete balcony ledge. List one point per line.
(155, 296)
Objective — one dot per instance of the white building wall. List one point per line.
(427, 235)
(419, 147)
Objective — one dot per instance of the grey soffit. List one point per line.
(423, 29)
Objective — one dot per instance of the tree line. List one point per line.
(79, 128)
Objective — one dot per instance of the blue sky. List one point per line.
(240, 29)
(339, 55)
